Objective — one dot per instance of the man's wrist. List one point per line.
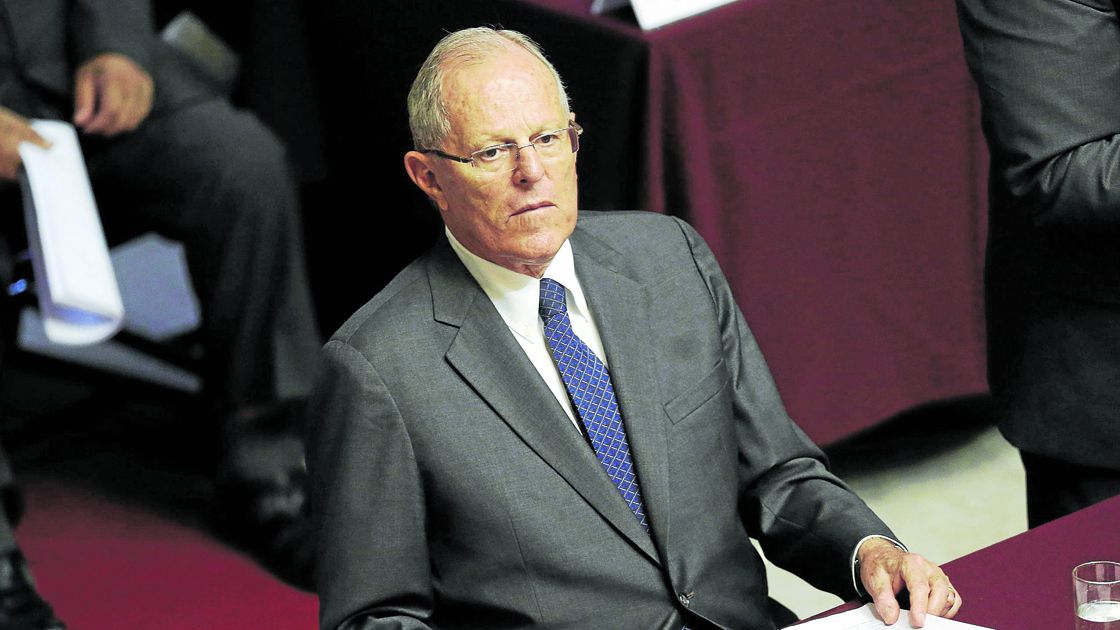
(855, 562)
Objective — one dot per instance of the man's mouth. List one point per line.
(533, 206)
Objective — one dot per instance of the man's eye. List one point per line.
(548, 138)
(492, 153)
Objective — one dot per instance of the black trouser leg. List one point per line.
(1056, 488)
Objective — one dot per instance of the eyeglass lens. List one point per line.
(549, 146)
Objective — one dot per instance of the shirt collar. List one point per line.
(516, 295)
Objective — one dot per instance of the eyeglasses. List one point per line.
(549, 145)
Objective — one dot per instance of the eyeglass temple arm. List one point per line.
(574, 132)
(447, 156)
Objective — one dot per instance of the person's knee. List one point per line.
(258, 174)
(230, 169)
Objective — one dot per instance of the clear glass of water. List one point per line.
(1096, 595)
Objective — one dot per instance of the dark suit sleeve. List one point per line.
(805, 518)
(1048, 72)
(121, 26)
(373, 569)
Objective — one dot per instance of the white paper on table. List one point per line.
(865, 618)
(78, 294)
(652, 14)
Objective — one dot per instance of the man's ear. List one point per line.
(420, 170)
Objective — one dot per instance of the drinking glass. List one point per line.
(1096, 595)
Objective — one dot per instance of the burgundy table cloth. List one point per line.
(1025, 582)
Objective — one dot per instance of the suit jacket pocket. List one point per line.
(693, 397)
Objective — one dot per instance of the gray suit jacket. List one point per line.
(452, 491)
(1048, 73)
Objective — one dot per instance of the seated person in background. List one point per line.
(199, 171)
(559, 418)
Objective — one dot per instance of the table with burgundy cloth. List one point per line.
(830, 154)
(1025, 582)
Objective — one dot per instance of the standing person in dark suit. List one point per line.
(560, 419)
(187, 164)
(1048, 72)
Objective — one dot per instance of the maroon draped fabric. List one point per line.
(830, 154)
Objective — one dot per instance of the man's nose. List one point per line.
(530, 167)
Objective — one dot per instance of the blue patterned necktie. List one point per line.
(589, 385)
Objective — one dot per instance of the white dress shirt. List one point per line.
(517, 298)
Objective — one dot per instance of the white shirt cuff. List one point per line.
(855, 557)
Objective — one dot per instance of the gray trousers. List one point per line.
(1056, 488)
(217, 180)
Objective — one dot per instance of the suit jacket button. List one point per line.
(684, 599)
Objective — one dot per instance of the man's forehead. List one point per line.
(497, 116)
(511, 73)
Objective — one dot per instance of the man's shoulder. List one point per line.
(623, 221)
(399, 302)
(644, 240)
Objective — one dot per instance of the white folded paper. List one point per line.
(865, 618)
(652, 14)
(77, 289)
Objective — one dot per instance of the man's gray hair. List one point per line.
(427, 113)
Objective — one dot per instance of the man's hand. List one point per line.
(885, 569)
(111, 94)
(15, 129)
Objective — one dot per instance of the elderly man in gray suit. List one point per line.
(560, 419)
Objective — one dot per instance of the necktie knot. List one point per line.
(553, 300)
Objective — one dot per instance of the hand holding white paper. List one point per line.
(78, 294)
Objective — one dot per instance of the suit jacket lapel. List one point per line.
(487, 356)
(620, 306)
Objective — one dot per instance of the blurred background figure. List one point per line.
(1048, 72)
(172, 155)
